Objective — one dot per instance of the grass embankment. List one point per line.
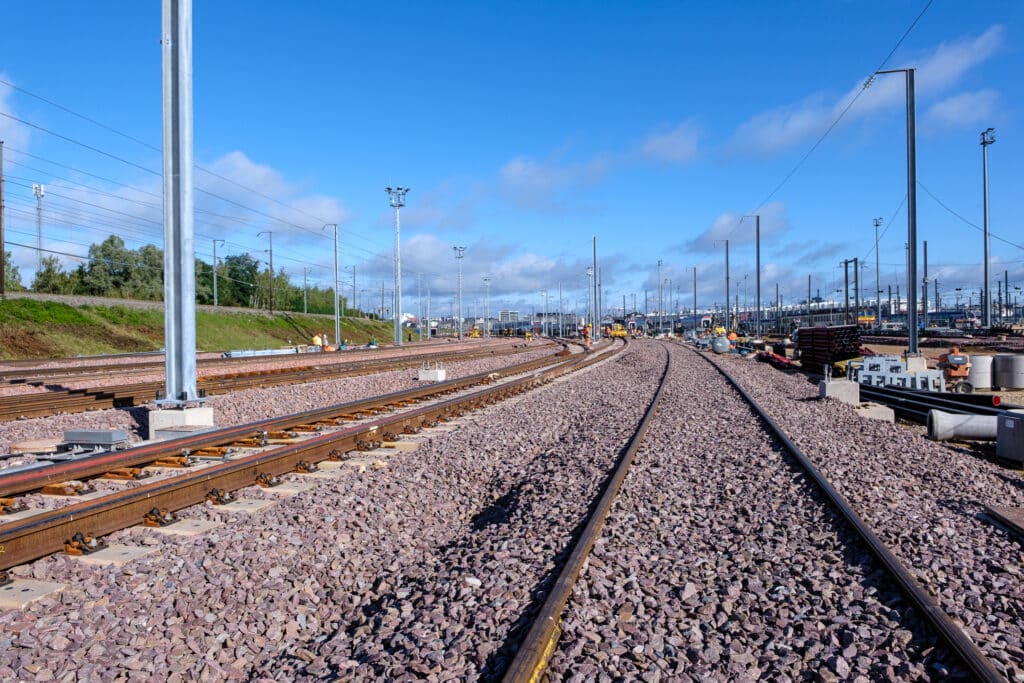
(47, 329)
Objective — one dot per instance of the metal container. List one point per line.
(1010, 437)
(720, 345)
(980, 374)
(1008, 371)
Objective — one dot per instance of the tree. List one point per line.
(109, 268)
(146, 278)
(239, 278)
(12, 276)
(52, 278)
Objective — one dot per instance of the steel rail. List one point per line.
(131, 395)
(535, 651)
(30, 480)
(44, 533)
(954, 636)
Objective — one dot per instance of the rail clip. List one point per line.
(305, 467)
(68, 488)
(268, 480)
(218, 497)
(83, 544)
(159, 518)
(8, 506)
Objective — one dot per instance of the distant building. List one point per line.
(508, 316)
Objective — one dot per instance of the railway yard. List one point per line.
(618, 514)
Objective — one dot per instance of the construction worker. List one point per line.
(317, 340)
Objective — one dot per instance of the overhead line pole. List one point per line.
(987, 138)
(179, 233)
(3, 249)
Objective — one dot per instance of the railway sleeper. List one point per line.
(68, 488)
(159, 518)
(83, 544)
(9, 506)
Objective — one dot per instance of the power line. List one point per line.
(973, 225)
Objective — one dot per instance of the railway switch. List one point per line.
(83, 544)
(159, 518)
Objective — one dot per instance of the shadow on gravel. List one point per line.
(497, 512)
(140, 416)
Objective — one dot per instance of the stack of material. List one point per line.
(826, 345)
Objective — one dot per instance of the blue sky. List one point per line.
(526, 128)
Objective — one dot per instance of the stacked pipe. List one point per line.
(826, 345)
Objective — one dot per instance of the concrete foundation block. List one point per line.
(916, 363)
(22, 592)
(841, 390)
(433, 374)
(874, 411)
(174, 422)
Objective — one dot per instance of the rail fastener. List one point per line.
(306, 467)
(83, 544)
(159, 518)
(268, 481)
(9, 506)
(219, 497)
(127, 474)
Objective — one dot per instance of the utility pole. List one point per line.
(3, 249)
(924, 286)
(717, 242)
(215, 270)
(808, 300)
(305, 291)
(596, 319)
(561, 325)
(397, 201)
(846, 290)
(912, 346)
(695, 321)
(987, 138)
(39, 191)
(337, 285)
(1006, 291)
(419, 303)
(878, 289)
(757, 242)
(856, 287)
(661, 308)
(487, 305)
(178, 214)
(459, 253)
(270, 236)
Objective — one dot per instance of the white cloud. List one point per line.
(533, 184)
(777, 129)
(677, 146)
(727, 226)
(963, 109)
(12, 133)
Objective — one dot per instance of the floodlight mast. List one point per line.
(460, 252)
(987, 138)
(397, 200)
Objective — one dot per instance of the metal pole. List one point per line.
(396, 198)
(595, 320)
(179, 245)
(856, 290)
(1006, 292)
(561, 322)
(987, 138)
(39, 191)
(3, 248)
(305, 290)
(695, 300)
(727, 325)
(757, 239)
(808, 300)
(215, 271)
(270, 236)
(878, 288)
(924, 286)
(337, 291)
(911, 212)
(459, 253)
(846, 291)
(661, 315)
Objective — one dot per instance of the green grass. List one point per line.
(46, 329)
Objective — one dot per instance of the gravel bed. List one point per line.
(721, 561)
(256, 364)
(923, 498)
(426, 569)
(244, 406)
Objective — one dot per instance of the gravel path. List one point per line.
(721, 561)
(427, 568)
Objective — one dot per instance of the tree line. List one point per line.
(113, 270)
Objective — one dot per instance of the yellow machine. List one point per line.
(617, 330)
(474, 333)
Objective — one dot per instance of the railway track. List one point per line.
(541, 642)
(60, 400)
(213, 464)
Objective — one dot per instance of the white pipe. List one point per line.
(943, 426)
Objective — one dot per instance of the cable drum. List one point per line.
(1008, 371)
